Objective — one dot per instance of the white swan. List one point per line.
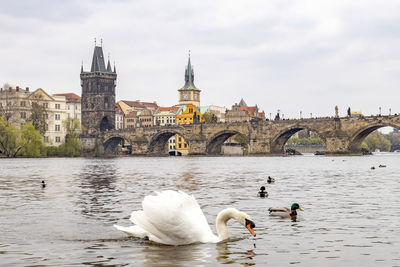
(175, 218)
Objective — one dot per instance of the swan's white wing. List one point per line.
(133, 230)
(173, 218)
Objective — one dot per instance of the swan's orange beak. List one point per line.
(250, 225)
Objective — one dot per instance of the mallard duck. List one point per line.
(372, 168)
(262, 192)
(382, 166)
(285, 212)
(43, 184)
(270, 180)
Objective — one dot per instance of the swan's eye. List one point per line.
(252, 225)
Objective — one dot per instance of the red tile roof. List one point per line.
(249, 110)
(138, 104)
(168, 109)
(71, 97)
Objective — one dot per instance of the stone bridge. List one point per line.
(341, 135)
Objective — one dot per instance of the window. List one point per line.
(58, 106)
(57, 116)
(58, 139)
(46, 127)
(45, 105)
(23, 104)
(185, 145)
(180, 145)
(23, 115)
(46, 139)
(57, 127)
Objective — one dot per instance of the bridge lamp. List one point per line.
(311, 115)
(270, 116)
(380, 109)
(390, 111)
(300, 114)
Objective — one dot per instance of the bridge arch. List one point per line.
(357, 138)
(214, 144)
(114, 145)
(159, 142)
(277, 145)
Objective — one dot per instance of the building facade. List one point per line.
(165, 116)
(16, 107)
(73, 105)
(98, 94)
(242, 113)
(191, 114)
(119, 118)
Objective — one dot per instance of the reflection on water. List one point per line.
(98, 190)
(226, 256)
(191, 255)
(350, 217)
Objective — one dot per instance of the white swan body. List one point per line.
(175, 218)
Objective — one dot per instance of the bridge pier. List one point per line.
(337, 145)
(91, 146)
(197, 146)
(259, 147)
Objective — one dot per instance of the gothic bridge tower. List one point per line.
(98, 94)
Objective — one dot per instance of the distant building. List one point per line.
(119, 117)
(16, 107)
(130, 110)
(242, 113)
(98, 94)
(73, 105)
(191, 114)
(218, 111)
(131, 120)
(145, 118)
(165, 116)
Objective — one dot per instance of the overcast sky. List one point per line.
(290, 55)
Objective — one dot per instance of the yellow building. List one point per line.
(190, 115)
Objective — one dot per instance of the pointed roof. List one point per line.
(242, 103)
(98, 60)
(109, 66)
(189, 78)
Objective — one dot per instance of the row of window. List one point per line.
(57, 139)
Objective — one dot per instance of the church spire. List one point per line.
(189, 77)
(109, 64)
(82, 67)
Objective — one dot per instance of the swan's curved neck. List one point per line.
(223, 217)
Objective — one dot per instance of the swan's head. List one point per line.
(245, 220)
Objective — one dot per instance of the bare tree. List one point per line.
(8, 104)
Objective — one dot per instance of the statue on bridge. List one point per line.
(336, 111)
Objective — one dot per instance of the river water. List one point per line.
(351, 213)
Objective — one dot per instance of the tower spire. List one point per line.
(82, 67)
(109, 64)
